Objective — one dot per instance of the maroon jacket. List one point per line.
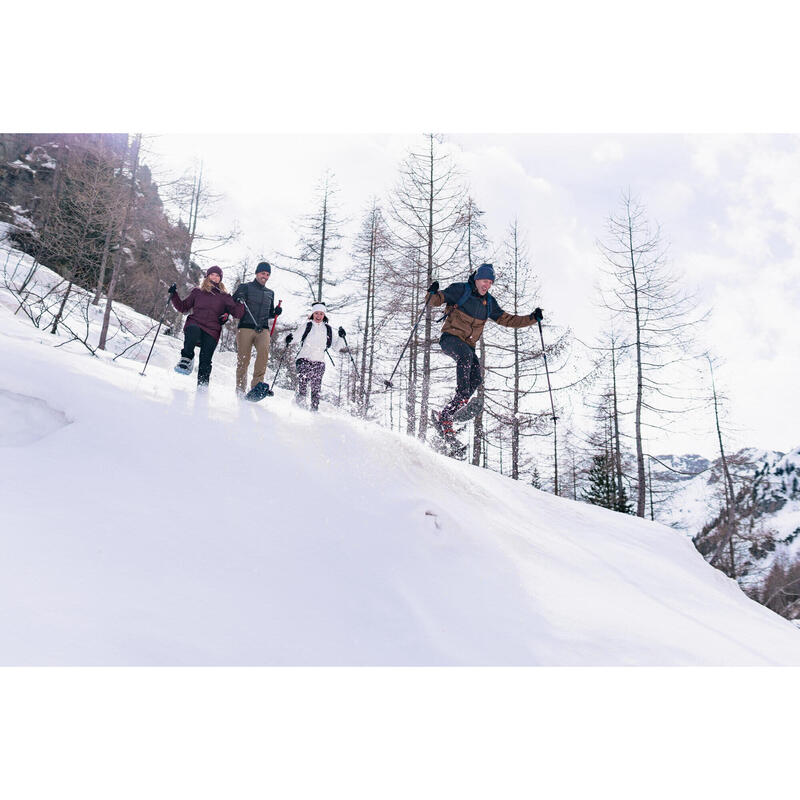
(207, 308)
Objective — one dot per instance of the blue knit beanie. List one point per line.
(264, 266)
(485, 272)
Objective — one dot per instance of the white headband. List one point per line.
(319, 307)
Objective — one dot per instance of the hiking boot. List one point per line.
(185, 365)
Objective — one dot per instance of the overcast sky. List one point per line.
(728, 207)
(728, 204)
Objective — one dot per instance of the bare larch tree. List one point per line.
(428, 230)
(653, 311)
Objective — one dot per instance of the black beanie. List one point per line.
(264, 267)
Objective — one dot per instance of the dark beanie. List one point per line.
(485, 272)
(214, 269)
(264, 267)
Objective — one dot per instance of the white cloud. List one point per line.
(607, 151)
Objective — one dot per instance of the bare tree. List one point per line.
(648, 300)
(477, 251)
(121, 253)
(371, 260)
(88, 194)
(428, 230)
(195, 205)
(318, 238)
(730, 494)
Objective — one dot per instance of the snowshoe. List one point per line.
(259, 392)
(469, 411)
(450, 444)
(185, 366)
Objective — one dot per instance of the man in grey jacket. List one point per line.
(254, 326)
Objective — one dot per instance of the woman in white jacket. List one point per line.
(315, 336)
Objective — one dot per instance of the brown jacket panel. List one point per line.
(468, 328)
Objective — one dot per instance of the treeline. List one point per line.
(87, 207)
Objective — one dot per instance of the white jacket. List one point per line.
(313, 349)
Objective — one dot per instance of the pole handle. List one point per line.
(274, 320)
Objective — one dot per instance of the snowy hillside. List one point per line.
(146, 524)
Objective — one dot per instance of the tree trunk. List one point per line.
(98, 292)
(322, 243)
(60, 313)
(411, 396)
(426, 344)
(123, 235)
(617, 445)
(729, 491)
(368, 320)
(640, 499)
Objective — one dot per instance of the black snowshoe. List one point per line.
(259, 392)
(451, 446)
(469, 411)
(185, 366)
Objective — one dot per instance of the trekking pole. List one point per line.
(274, 320)
(344, 336)
(250, 313)
(424, 308)
(280, 362)
(160, 323)
(538, 319)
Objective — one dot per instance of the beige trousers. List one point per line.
(246, 339)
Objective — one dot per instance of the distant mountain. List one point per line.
(764, 548)
(681, 468)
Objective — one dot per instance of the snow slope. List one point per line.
(144, 524)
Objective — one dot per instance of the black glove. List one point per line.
(342, 332)
(223, 318)
(172, 289)
(277, 312)
(433, 288)
(289, 338)
(537, 314)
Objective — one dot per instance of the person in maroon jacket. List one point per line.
(210, 306)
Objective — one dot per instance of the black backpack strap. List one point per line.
(460, 304)
(330, 336)
(307, 331)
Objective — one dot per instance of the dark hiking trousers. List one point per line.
(309, 372)
(468, 371)
(192, 338)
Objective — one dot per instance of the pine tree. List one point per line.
(603, 490)
(600, 491)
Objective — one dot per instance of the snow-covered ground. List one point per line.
(146, 524)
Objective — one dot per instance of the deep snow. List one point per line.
(146, 524)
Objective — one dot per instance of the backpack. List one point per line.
(308, 330)
(467, 294)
